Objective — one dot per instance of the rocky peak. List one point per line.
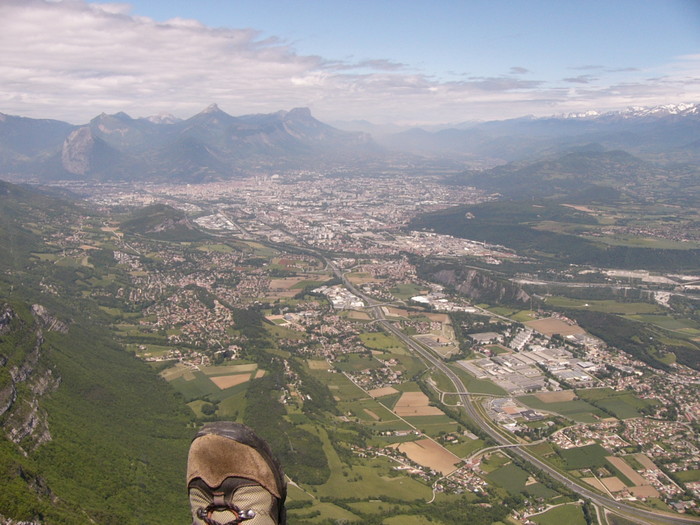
(75, 154)
(300, 113)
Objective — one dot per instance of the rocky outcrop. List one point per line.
(480, 286)
(48, 321)
(23, 420)
(76, 151)
(6, 316)
(8, 521)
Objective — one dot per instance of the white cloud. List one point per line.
(72, 60)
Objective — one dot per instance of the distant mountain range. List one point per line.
(211, 145)
(214, 145)
(660, 133)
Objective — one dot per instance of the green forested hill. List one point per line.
(519, 225)
(578, 171)
(88, 433)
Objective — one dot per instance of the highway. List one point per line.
(607, 502)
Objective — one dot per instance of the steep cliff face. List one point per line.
(24, 377)
(479, 285)
(76, 151)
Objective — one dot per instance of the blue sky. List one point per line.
(406, 62)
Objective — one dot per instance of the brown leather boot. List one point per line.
(232, 477)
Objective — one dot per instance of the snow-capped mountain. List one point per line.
(641, 112)
(668, 132)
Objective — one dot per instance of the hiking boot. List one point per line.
(232, 478)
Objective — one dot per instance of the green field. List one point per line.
(542, 449)
(589, 456)
(465, 448)
(635, 241)
(408, 364)
(515, 481)
(686, 326)
(217, 248)
(623, 405)
(433, 425)
(493, 462)
(366, 481)
(563, 514)
(366, 410)
(307, 282)
(381, 341)
(406, 291)
(201, 387)
(688, 475)
(232, 407)
(619, 520)
(356, 362)
(149, 350)
(340, 386)
(608, 307)
(578, 410)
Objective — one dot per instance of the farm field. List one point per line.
(570, 514)
(356, 362)
(367, 480)
(688, 475)
(381, 392)
(428, 453)
(415, 404)
(556, 397)
(465, 448)
(589, 456)
(517, 481)
(356, 315)
(433, 425)
(341, 387)
(360, 278)
(224, 385)
(578, 410)
(406, 291)
(685, 326)
(382, 342)
(605, 306)
(551, 326)
(623, 405)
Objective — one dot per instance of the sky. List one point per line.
(408, 62)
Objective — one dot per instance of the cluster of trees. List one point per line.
(636, 339)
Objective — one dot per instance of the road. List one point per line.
(598, 499)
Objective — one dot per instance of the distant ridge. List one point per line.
(659, 133)
(211, 145)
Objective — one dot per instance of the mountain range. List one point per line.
(659, 133)
(213, 145)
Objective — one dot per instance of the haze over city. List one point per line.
(411, 63)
